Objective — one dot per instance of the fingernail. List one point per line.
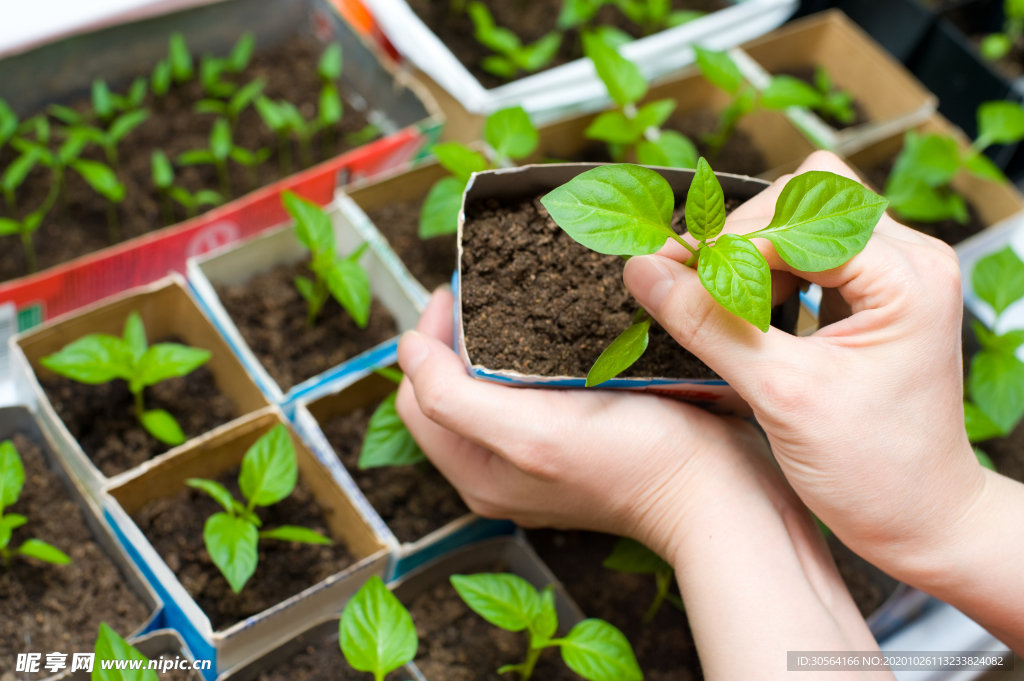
(412, 350)
(649, 279)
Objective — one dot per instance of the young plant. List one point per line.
(14, 176)
(110, 647)
(512, 55)
(388, 442)
(251, 161)
(238, 102)
(268, 475)
(919, 185)
(212, 69)
(285, 119)
(833, 103)
(629, 555)
(995, 46)
(376, 633)
(25, 229)
(337, 276)
(217, 155)
(179, 59)
(109, 139)
(508, 132)
(106, 104)
(274, 118)
(331, 109)
(193, 202)
(593, 648)
(163, 180)
(628, 129)
(651, 15)
(821, 221)
(100, 358)
(12, 479)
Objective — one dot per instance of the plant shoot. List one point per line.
(12, 480)
(376, 633)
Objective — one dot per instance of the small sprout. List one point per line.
(163, 180)
(233, 107)
(102, 101)
(512, 55)
(160, 79)
(193, 202)
(629, 555)
(835, 103)
(100, 358)
(821, 221)
(251, 161)
(594, 649)
(65, 114)
(376, 632)
(337, 276)
(388, 442)
(12, 479)
(241, 53)
(109, 647)
(329, 67)
(25, 229)
(367, 133)
(180, 59)
(269, 474)
(104, 182)
(655, 15)
(14, 176)
(210, 71)
(995, 46)
(58, 162)
(274, 118)
(118, 130)
(331, 109)
(217, 155)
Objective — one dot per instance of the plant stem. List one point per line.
(30, 252)
(664, 580)
(112, 159)
(139, 406)
(284, 152)
(252, 177)
(191, 210)
(693, 252)
(113, 224)
(166, 208)
(224, 179)
(531, 661)
(9, 199)
(305, 152)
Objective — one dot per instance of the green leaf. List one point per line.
(64, 114)
(40, 550)
(979, 426)
(736, 275)
(705, 204)
(12, 474)
(822, 220)
(241, 53)
(134, 336)
(329, 67)
(998, 279)
(786, 91)
(180, 58)
(390, 373)
(499, 66)
(163, 173)
(110, 646)
(680, 17)
(101, 178)
(598, 651)
(616, 209)
(376, 632)
(510, 133)
(161, 425)
(613, 127)
(620, 354)
(577, 12)
(932, 159)
(312, 225)
(995, 46)
(487, 33)
(1007, 342)
(719, 69)
(231, 543)
(18, 170)
(539, 53)
(440, 211)
(984, 459)
(459, 160)
(388, 442)
(505, 600)
(102, 102)
(271, 114)
(8, 524)
(137, 92)
(612, 37)
(9, 226)
(195, 157)
(92, 359)
(350, 286)
(220, 139)
(671, 150)
(160, 80)
(654, 114)
(207, 197)
(245, 95)
(217, 491)
(269, 468)
(621, 77)
(306, 288)
(330, 104)
(629, 555)
(996, 386)
(8, 122)
(303, 535)
(545, 624)
(1000, 122)
(982, 166)
(167, 360)
(914, 200)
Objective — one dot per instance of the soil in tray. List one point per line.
(530, 20)
(271, 316)
(58, 607)
(413, 500)
(431, 261)
(320, 659)
(290, 71)
(102, 417)
(174, 526)
(806, 74)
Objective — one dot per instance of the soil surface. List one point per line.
(102, 417)
(806, 74)
(456, 644)
(290, 71)
(320, 660)
(46, 608)
(530, 20)
(271, 316)
(949, 231)
(178, 674)
(537, 302)
(413, 500)
(431, 261)
(174, 526)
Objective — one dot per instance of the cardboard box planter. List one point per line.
(162, 643)
(63, 72)
(19, 421)
(364, 392)
(890, 98)
(168, 310)
(236, 265)
(208, 457)
(573, 85)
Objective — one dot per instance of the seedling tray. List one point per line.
(238, 264)
(207, 457)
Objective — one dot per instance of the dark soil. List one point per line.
(320, 660)
(949, 231)
(178, 674)
(456, 644)
(537, 302)
(413, 500)
(102, 417)
(271, 316)
(869, 590)
(806, 74)
(46, 608)
(530, 20)
(290, 72)
(174, 526)
(431, 261)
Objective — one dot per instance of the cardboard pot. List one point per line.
(208, 457)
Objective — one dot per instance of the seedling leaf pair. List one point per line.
(12, 480)
(512, 55)
(629, 555)
(376, 632)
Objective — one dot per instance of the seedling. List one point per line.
(821, 221)
(193, 202)
(269, 474)
(630, 130)
(251, 161)
(388, 442)
(179, 59)
(508, 132)
(995, 46)
(833, 103)
(919, 185)
(651, 15)
(217, 155)
(12, 479)
(235, 105)
(25, 229)
(163, 180)
(211, 69)
(285, 119)
(629, 555)
(118, 130)
(14, 176)
(331, 109)
(160, 79)
(341, 277)
(106, 104)
(100, 358)
(376, 632)
(110, 647)
(274, 118)
(593, 648)
(512, 55)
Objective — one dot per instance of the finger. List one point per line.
(437, 321)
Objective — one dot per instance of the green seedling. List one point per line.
(179, 59)
(251, 161)
(106, 104)
(650, 15)
(212, 69)
(629, 555)
(919, 186)
(273, 117)
(160, 79)
(12, 480)
(365, 134)
(110, 647)
(163, 180)
(119, 129)
(14, 176)
(339, 276)
(268, 475)
(216, 155)
(512, 56)
(238, 102)
(632, 130)
(388, 442)
(8, 123)
(193, 202)
(508, 132)
(376, 632)
(331, 109)
(593, 648)
(25, 229)
(285, 119)
(821, 221)
(100, 358)
(833, 103)
(995, 46)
